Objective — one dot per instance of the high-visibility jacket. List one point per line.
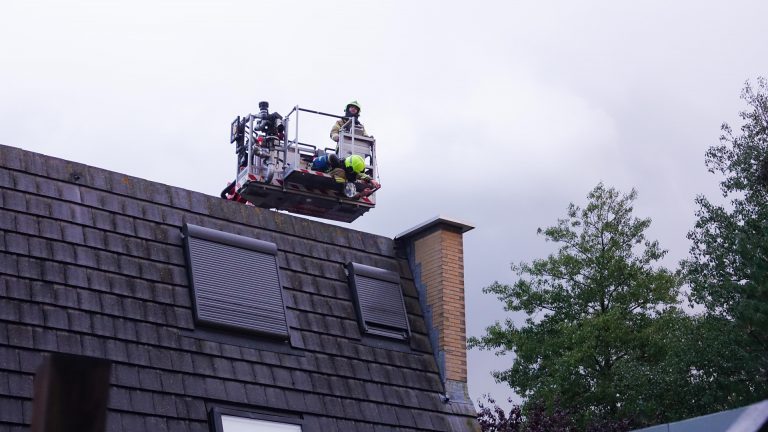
(359, 128)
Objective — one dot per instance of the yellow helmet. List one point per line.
(352, 104)
(356, 162)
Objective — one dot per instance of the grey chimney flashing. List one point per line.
(432, 223)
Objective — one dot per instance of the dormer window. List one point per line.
(235, 281)
(379, 300)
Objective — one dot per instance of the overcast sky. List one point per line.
(498, 113)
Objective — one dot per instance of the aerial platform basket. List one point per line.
(274, 168)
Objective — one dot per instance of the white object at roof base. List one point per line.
(752, 419)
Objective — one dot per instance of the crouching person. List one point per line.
(350, 169)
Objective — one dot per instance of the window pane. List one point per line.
(239, 424)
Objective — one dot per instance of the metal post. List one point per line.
(296, 144)
(286, 126)
(250, 143)
(373, 161)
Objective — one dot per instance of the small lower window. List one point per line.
(239, 424)
(225, 419)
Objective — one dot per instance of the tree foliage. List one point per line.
(728, 265)
(604, 347)
(595, 309)
(493, 418)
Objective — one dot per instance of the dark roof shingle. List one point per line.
(92, 263)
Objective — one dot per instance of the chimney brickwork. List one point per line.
(435, 252)
(441, 258)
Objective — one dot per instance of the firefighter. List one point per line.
(352, 110)
(349, 169)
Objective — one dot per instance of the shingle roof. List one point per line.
(92, 263)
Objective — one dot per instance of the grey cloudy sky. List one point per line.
(498, 113)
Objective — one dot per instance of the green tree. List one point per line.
(694, 370)
(728, 265)
(595, 310)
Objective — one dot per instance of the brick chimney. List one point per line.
(435, 253)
